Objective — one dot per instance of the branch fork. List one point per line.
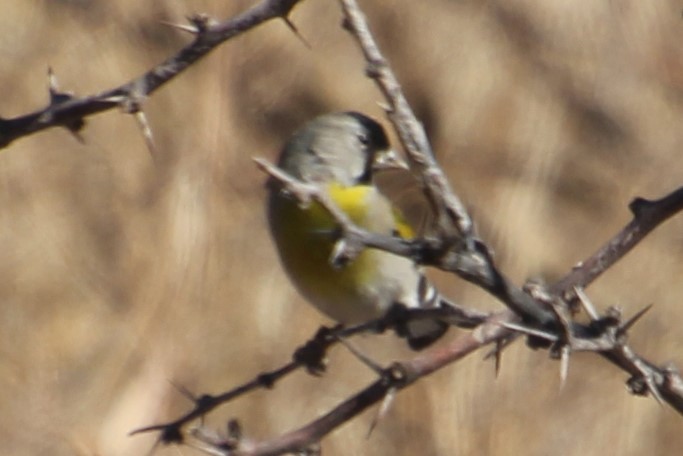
(541, 313)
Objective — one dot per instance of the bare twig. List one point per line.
(647, 215)
(68, 111)
(311, 356)
(397, 377)
(171, 432)
(453, 220)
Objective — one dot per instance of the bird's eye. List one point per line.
(364, 139)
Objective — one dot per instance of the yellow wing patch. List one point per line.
(354, 202)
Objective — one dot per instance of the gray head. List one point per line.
(343, 147)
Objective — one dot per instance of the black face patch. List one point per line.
(377, 138)
(373, 139)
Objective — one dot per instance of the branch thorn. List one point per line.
(633, 320)
(375, 367)
(564, 365)
(202, 22)
(498, 356)
(143, 123)
(182, 27)
(291, 26)
(529, 331)
(184, 391)
(383, 410)
(57, 98)
(53, 86)
(586, 303)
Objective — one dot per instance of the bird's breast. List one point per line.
(305, 238)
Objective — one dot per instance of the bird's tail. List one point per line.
(423, 333)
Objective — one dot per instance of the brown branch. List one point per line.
(312, 357)
(647, 215)
(452, 217)
(496, 329)
(605, 335)
(470, 259)
(456, 250)
(396, 377)
(476, 265)
(402, 374)
(68, 111)
(171, 432)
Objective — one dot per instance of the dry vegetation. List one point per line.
(121, 274)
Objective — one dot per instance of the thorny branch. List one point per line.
(68, 111)
(452, 219)
(540, 314)
(604, 334)
(457, 250)
(396, 377)
(312, 357)
(647, 215)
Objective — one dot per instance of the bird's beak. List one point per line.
(388, 159)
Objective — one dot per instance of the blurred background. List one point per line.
(124, 274)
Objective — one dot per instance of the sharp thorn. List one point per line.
(586, 304)
(362, 357)
(654, 390)
(53, 87)
(184, 391)
(182, 27)
(295, 30)
(634, 319)
(382, 411)
(529, 331)
(146, 132)
(564, 365)
(77, 135)
(499, 356)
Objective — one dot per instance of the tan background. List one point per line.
(120, 275)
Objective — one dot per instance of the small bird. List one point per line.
(340, 152)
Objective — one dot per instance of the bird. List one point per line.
(341, 152)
